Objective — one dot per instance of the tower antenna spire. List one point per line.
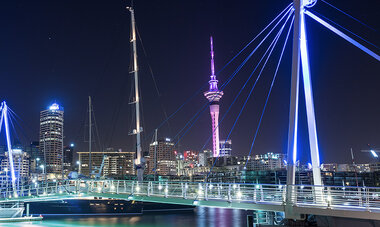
(214, 95)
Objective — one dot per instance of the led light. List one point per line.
(99, 189)
(195, 202)
(60, 192)
(166, 190)
(302, 186)
(234, 186)
(374, 154)
(329, 198)
(130, 197)
(159, 187)
(200, 192)
(257, 186)
(112, 187)
(239, 194)
(137, 188)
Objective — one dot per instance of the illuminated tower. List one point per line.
(214, 95)
(51, 138)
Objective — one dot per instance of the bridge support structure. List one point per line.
(300, 61)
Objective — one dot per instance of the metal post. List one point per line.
(206, 190)
(166, 190)
(229, 193)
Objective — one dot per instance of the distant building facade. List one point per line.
(162, 159)
(110, 162)
(268, 161)
(225, 148)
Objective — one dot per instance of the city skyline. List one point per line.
(339, 103)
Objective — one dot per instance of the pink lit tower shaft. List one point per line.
(214, 95)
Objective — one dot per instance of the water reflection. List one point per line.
(202, 217)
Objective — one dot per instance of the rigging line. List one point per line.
(329, 4)
(236, 71)
(97, 131)
(153, 78)
(320, 15)
(250, 93)
(224, 115)
(286, 9)
(270, 90)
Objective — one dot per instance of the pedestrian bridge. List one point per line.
(351, 202)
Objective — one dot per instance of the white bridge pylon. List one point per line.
(4, 118)
(300, 61)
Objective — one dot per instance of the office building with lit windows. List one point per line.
(51, 138)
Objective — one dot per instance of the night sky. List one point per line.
(64, 51)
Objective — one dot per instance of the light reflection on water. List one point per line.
(202, 216)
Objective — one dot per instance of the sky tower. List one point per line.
(214, 95)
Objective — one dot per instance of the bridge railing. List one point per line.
(39, 189)
(304, 195)
(192, 190)
(337, 196)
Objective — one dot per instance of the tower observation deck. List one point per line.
(214, 95)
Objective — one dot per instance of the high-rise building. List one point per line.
(213, 95)
(225, 148)
(162, 157)
(51, 138)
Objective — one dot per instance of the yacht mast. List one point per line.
(138, 130)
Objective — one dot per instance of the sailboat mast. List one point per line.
(138, 129)
(89, 135)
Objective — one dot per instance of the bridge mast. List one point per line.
(300, 59)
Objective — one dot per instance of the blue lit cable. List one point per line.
(289, 12)
(320, 15)
(270, 90)
(285, 10)
(329, 4)
(198, 91)
(250, 93)
(229, 108)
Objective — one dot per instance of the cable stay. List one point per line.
(262, 58)
(340, 26)
(282, 14)
(357, 20)
(251, 91)
(270, 90)
(289, 12)
(341, 34)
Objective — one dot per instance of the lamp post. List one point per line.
(43, 172)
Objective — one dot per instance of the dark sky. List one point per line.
(66, 50)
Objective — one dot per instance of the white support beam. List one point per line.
(344, 36)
